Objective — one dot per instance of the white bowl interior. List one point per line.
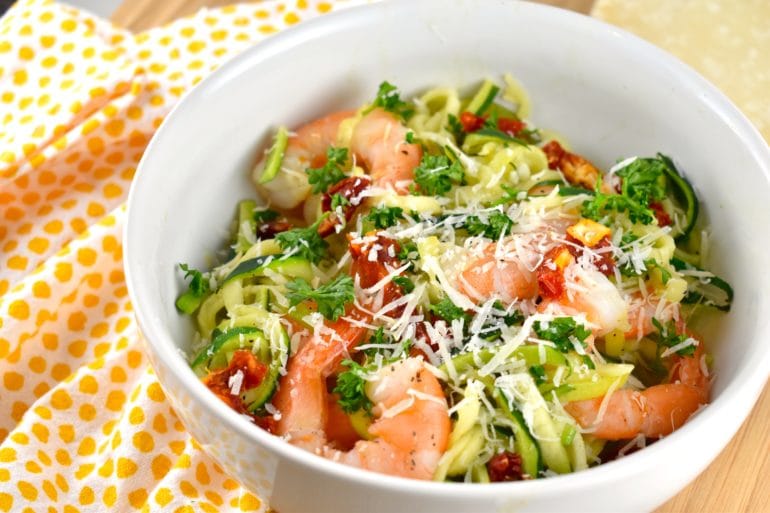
(609, 94)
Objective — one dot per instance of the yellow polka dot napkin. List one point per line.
(84, 424)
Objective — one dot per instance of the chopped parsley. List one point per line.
(436, 174)
(330, 298)
(510, 195)
(389, 99)
(538, 372)
(379, 337)
(408, 251)
(669, 338)
(339, 200)
(385, 217)
(644, 181)
(405, 283)
(456, 127)
(262, 216)
(563, 332)
(410, 137)
(351, 388)
(588, 361)
(306, 242)
(448, 310)
(650, 264)
(497, 224)
(321, 178)
(198, 285)
(492, 331)
(515, 317)
(602, 204)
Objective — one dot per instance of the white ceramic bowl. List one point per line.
(609, 93)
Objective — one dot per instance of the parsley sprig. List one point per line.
(305, 241)
(339, 200)
(263, 216)
(198, 285)
(389, 99)
(351, 388)
(385, 217)
(497, 224)
(436, 174)
(668, 337)
(321, 178)
(643, 182)
(562, 331)
(448, 311)
(330, 298)
(404, 283)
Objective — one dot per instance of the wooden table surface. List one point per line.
(735, 481)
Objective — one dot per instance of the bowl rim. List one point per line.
(740, 394)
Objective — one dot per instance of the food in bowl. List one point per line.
(437, 289)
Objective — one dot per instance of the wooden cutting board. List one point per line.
(735, 481)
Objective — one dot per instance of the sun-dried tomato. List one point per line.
(421, 333)
(576, 169)
(511, 126)
(269, 229)
(253, 371)
(603, 259)
(505, 466)
(373, 260)
(471, 122)
(660, 214)
(555, 153)
(267, 422)
(349, 188)
(550, 276)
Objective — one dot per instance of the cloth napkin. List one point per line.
(84, 424)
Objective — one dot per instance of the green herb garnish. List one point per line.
(262, 216)
(408, 251)
(389, 99)
(405, 283)
(351, 388)
(563, 332)
(497, 224)
(644, 181)
(538, 372)
(338, 200)
(198, 285)
(306, 242)
(669, 338)
(448, 310)
(330, 298)
(322, 178)
(384, 217)
(436, 174)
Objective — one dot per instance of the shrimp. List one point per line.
(306, 148)
(411, 426)
(506, 277)
(568, 288)
(642, 310)
(302, 396)
(379, 142)
(654, 412)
